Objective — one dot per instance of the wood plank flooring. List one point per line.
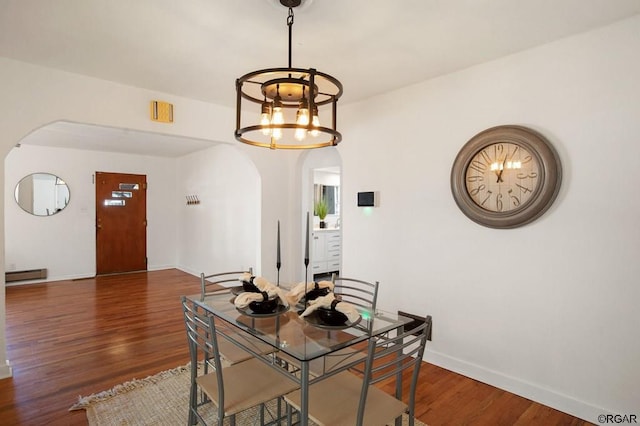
(72, 338)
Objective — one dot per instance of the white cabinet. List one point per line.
(326, 251)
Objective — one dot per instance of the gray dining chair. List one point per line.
(348, 399)
(230, 353)
(212, 283)
(231, 389)
(364, 295)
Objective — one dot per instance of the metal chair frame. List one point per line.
(386, 358)
(243, 377)
(362, 294)
(216, 279)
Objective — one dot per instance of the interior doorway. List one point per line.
(321, 176)
(121, 222)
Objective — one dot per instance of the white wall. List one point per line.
(548, 310)
(222, 233)
(65, 243)
(279, 187)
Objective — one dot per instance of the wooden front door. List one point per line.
(121, 223)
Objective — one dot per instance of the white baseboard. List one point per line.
(5, 370)
(516, 386)
(188, 271)
(160, 267)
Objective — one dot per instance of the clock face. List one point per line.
(502, 177)
(506, 176)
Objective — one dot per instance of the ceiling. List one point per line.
(197, 48)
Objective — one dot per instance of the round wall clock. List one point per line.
(506, 176)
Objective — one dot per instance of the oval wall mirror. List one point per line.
(42, 194)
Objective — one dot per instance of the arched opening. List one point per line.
(220, 232)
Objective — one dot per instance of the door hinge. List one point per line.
(144, 222)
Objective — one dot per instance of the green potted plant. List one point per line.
(321, 208)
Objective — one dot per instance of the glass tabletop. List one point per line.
(302, 338)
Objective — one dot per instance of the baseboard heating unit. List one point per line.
(31, 274)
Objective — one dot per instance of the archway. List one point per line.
(65, 244)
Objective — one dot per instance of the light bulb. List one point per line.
(265, 118)
(315, 121)
(302, 120)
(300, 134)
(302, 117)
(277, 117)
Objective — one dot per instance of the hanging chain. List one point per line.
(290, 25)
(290, 17)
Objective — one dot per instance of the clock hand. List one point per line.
(502, 170)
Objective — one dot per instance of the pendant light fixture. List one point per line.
(287, 108)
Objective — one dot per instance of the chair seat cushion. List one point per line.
(334, 402)
(246, 385)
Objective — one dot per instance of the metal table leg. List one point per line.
(399, 379)
(304, 393)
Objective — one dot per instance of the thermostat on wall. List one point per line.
(366, 199)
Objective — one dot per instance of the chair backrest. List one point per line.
(203, 344)
(390, 357)
(362, 294)
(210, 283)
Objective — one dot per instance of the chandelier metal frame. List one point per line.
(285, 105)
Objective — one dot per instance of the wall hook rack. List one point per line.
(192, 200)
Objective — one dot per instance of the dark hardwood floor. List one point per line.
(72, 338)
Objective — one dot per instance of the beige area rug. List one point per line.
(161, 399)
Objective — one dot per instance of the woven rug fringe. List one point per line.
(85, 401)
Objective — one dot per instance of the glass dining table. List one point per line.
(305, 349)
